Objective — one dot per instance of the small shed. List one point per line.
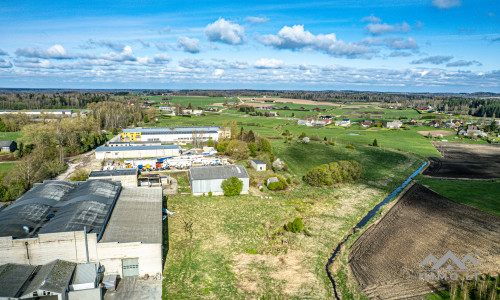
(258, 164)
(8, 146)
(209, 179)
(271, 179)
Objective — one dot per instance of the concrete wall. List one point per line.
(258, 167)
(136, 153)
(70, 246)
(149, 255)
(90, 294)
(198, 187)
(126, 180)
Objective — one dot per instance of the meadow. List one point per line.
(237, 248)
(6, 167)
(10, 136)
(482, 195)
(195, 101)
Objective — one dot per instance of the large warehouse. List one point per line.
(176, 135)
(209, 179)
(123, 226)
(137, 151)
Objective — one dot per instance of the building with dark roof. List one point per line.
(258, 164)
(128, 177)
(209, 179)
(8, 146)
(118, 226)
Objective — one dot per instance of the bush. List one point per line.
(350, 147)
(335, 172)
(295, 226)
(280, 185)
(80, 175)
(232, 186)
(375, 144)
(210, 194)
(289, 180)
(331, 143)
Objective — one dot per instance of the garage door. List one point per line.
(131, 267)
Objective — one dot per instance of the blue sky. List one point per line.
(407, 46)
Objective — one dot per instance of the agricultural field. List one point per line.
(465, 161)
(236, 246)
(385, 259)
(483, 195)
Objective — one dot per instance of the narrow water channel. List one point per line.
(364, 221)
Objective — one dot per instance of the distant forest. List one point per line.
(475, 104)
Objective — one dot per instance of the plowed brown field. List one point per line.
(385, 260)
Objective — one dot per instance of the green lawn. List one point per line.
(478, 194)
(10, 136)
(6, 167)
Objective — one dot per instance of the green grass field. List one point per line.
(10, 136)
(6, 167)
(478, 194)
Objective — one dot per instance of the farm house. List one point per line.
(137, 151)
(209, 179)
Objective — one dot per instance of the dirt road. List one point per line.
(82, 161)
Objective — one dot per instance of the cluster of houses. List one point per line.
(169, 110)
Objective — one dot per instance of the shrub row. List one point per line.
(334, 172)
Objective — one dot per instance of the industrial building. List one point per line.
(128, 177)
(137, 151)
(100, 221)
(120, 144)
(209, 179)
(176, 135)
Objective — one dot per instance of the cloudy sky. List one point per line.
(383, 45)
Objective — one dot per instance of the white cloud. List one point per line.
(444, 4)
(435, 60)
(192, 63)
(372, 19)
(225, 32)
(188, 45)
(218, 72)
(4, 63)
(2, 52)
(266, 63)
(165, 29)
(384, 28)
(296, 37)
(144, 43)
(126, 55)
(400, 54)
(464, 63)
(399, 43)
(54, 52)
(257, 20)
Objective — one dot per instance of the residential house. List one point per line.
(344, 122)
(367, 123)
(8, 146)
(394, 124)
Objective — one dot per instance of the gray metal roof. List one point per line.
(6, 143)
(85, 273)
(117, 172)
(52, 277)
(60, 206)
(258, 161)
(133, 148)
(12, 279)
(127, 225)
(172, 129)
(217, 172)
